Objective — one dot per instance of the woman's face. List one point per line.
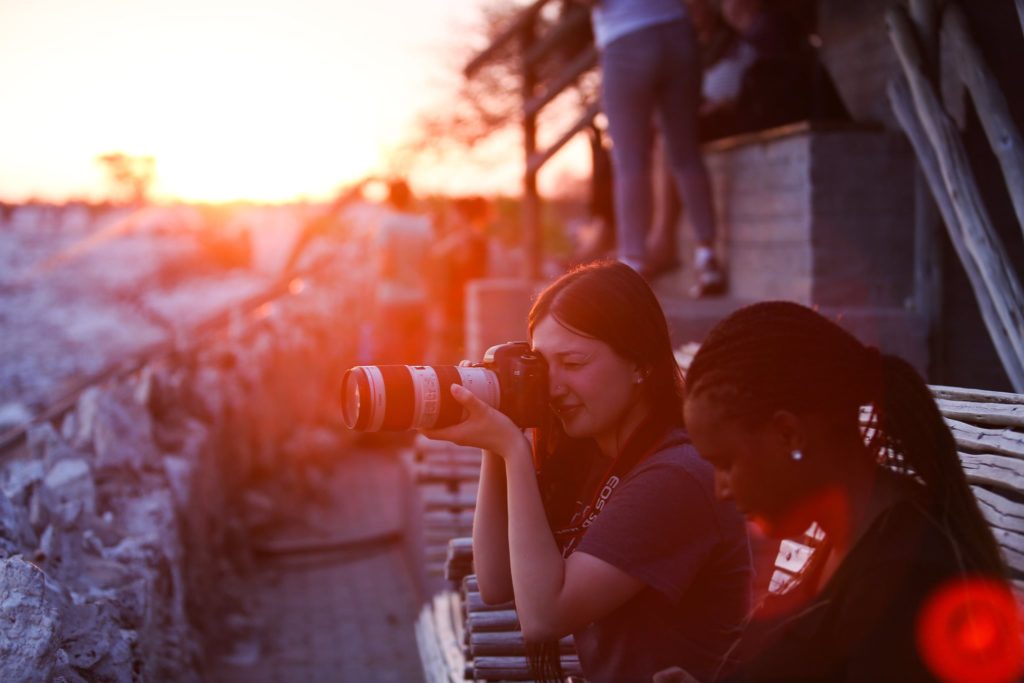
(754, 467)
(594, 391)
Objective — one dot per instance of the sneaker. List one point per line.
(710, 280)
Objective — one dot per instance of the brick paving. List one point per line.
(346, 612)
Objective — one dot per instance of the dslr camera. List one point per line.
(511, 378)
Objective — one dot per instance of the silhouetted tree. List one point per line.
(130, 176)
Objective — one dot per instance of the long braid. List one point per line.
(781, 355)
(915, 429)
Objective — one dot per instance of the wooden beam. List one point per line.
(532, 238)
(555, 37)
(981, 239)
(573, 70)
(903, 106)
(989, 102)
(522, 20)
(540, 158)
(928, 271)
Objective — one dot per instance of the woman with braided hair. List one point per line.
(608, 527)
(774, 403)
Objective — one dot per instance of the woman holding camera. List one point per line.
(606, 527)
(908, 568)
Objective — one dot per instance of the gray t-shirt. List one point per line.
(664, 526)
(615, 18)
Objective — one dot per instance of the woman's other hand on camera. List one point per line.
(484, 427)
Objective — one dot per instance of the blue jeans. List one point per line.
(654, 72)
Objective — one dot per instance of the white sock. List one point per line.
(703, 256)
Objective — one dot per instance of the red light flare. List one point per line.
(970, 631)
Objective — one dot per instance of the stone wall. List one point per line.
(123, 521)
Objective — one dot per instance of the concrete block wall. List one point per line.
(815, 216)
(862, 218)
(762, 200)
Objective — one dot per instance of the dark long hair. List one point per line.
(781, 355)
(612, 303)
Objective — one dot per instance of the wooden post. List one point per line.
(982, 242)
(531, 198)
(903, 106)
(928, 274)
(990, 104)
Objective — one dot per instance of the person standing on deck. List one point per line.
(650, 67)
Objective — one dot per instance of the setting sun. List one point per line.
(269, 101)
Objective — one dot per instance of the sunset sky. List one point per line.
(267, 100)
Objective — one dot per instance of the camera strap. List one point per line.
(633, 454)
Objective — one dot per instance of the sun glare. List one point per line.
(271, 101)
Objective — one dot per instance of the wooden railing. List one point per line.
(534, 50)
(943, 160)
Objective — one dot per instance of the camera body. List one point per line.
(511, 377)
(522, 379)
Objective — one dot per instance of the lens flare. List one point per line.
(970, 631)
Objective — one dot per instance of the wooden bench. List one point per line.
(445, 478)
(989, 431)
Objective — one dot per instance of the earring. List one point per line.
(796, 455)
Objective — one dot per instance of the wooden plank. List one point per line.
(582, 63)
(431, 659)
(433, 474)
(516, 668)
(443, 500)
(458, 620)
(993, 470)
(538, 159)
(503, 620)
(448, 643)
(1007, 520)
(989, 103)
(508, 643)
(902, 104)
(555, 37)
(990, 414)
(983, 242)
(521, 21)
(990, 440)
(475, 603)
(978, 395)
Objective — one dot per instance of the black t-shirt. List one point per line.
(664, 526)
(861, 626)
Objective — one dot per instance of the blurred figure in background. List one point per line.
(401, 245)
(768, 76)
(459, 254)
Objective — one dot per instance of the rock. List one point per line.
(30, 609)
(47, 446)
(16, 534)
(179, 473)
(19, 477)
(68, 491)
(123, 433)
(78, 425)
(13, 414)
(93, 642)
